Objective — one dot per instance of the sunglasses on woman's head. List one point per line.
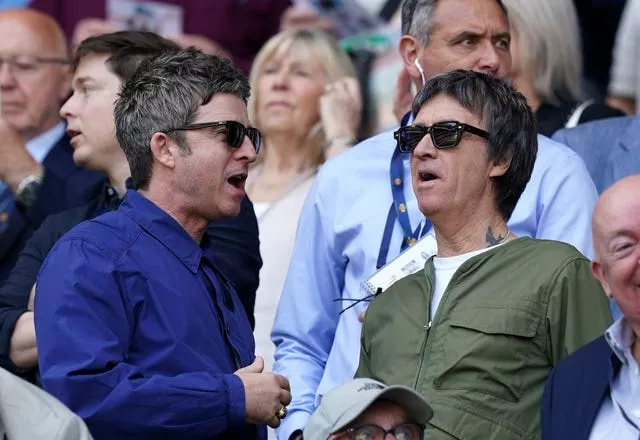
(234, 131)
(444, 135)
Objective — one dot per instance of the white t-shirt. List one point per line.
(445, 268)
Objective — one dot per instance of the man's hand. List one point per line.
(22, 347)
(15, 161)
(265, 394)
(340, 112)
(403, 97)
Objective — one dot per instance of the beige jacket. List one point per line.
(29, 413)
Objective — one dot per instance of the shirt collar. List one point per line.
(163, 228)
(620, 338)
(39, 146)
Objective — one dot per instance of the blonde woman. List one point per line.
(306, 102)
(547, 64)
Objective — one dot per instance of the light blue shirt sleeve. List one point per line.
(566, 200)
(307, 307)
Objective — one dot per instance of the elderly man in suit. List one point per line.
(595, 393)
(37, 174)
(610, 148)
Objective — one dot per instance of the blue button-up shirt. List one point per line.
(139, 334)
(338, 241)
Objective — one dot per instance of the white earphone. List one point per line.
(419, 67)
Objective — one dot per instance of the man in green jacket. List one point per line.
(478, 330)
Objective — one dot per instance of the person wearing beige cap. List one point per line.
(368, 409)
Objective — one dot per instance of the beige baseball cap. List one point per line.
(345, 403)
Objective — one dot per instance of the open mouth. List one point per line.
(72, 133)
(237, 180)
(426, 177)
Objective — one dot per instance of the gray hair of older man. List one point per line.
(165, 93)
(417, 18)
(507, 118)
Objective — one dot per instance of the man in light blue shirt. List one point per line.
(362, 193)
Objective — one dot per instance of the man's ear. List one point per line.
(409, 49)
(65, 83)
(162, 149)
(598, 272)
(500, 167)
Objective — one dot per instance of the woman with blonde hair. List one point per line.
(547, 64)
(306, 102)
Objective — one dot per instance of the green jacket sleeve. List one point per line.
(363, 367)
(578, 310)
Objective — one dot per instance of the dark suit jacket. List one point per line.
(575, 390)
(65, 185)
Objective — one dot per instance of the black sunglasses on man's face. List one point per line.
(446, 134)
(234, 131)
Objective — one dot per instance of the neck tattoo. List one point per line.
(492, 240)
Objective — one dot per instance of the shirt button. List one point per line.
(397, 181)
(411, 241)
(402, 207)
(636, 413)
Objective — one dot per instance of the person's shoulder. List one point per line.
(550, 253)
(550, 151)
(30, 404)
(596, 349)
(367, 155)
(111, 233)
(609, 129)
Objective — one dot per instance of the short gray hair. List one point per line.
(507, 118)
(165, 93)
(549, 35)
(417, 18)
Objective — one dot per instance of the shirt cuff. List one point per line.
(236, 396)
(295, 420)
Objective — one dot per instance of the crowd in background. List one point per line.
(215, 214)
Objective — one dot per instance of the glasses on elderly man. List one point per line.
(24, 64)
(446, 134)
(404, 431)
(234, 131)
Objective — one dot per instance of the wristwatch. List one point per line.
(27, 192)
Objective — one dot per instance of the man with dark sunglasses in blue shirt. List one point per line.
(101, 65)
(139, 332)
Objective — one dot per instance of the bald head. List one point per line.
(43, 28)
(34, 73)
(617, 210)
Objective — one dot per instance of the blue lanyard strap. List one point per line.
(398, 208)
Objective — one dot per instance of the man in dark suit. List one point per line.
(37, 174)
(595, 393)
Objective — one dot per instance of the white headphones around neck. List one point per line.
(419, 67)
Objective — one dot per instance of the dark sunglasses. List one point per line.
(405, 431)
(234, 131)
(445, 134)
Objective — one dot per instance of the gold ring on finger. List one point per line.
(282, 413)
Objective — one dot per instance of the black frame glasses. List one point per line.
(375, 432)
(234, 131)
(445, 134)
